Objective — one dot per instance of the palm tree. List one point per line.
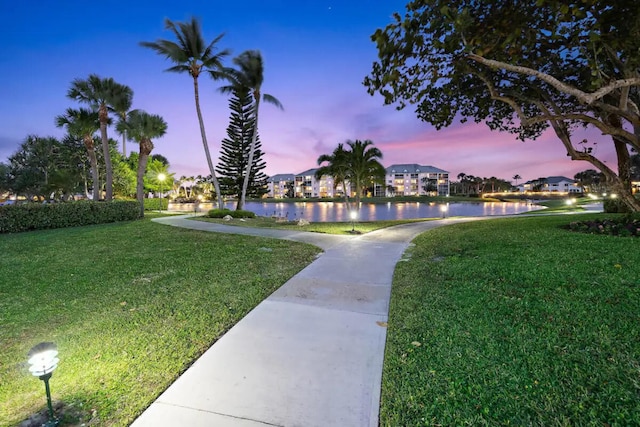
(364, 166)
(337, 166)
(84, 123)
(121, 107)
(142, 127)
(101, 94)
(193, 56)
(516, 177)
(248, 75)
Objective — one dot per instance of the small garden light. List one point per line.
(43, 359)
(443, 209)
(354, 216)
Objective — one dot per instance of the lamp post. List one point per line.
(161, 178)
(354, 216)
(42, 362)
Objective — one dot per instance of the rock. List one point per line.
(227, 217)
(302, 222)
(281, 219)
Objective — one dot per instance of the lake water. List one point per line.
(337, 212)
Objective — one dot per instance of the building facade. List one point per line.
(416, 180)
(400, 180)
(552, 184)
(280, 186)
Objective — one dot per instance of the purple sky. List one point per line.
(316, 53)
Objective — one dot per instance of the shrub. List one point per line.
(155, 204)
(614, 206)
(35, 216)
(221, 213)
(626, 226)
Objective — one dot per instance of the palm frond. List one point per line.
(272, 100)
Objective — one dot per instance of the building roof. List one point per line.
(307, 172)
(413, 168)
(557, 179)
(282, 177)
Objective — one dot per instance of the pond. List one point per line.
(337, 212)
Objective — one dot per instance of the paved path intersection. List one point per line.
(309, 355)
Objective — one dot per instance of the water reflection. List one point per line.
(337, 211)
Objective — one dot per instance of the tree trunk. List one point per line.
(252, 149)
(145, 150)
(346, 196)
(105, 149)
(216, 184)
(93, 161)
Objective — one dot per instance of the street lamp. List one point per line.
(161, 178)
(354, 216)
(42, 362)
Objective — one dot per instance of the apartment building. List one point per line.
(280, 185)
(416, 180)
(552, 184)
(400, 180)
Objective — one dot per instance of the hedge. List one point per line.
(36, 216)
(156, 204)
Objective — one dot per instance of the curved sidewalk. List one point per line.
(310, 354)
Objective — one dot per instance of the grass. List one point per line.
(130, 306)
(514, 322)
(316, 227)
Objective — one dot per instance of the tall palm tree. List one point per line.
(142, 127)
(364, 166)
(337, 166)
(192, 55)
(122, 107)
(249, 75)
(516, 177)
(100, 94)
(84, 123)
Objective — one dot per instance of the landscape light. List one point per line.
(354, 216)
(43, 360)
(444, 209)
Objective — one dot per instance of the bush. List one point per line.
(221, 213)
(614, 206)
(35, 216)
(626, 226)
(156, 204)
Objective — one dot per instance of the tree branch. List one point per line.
(584, 97)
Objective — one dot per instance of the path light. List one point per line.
(43, 359)
(444, 209)
(161, 178)
(354, 216)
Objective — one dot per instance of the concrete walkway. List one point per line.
(311, 354)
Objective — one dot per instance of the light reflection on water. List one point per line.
(337, 212)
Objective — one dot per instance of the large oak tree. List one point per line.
(521, 67)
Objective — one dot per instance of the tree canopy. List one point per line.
(520, 67)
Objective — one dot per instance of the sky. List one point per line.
(316, 55)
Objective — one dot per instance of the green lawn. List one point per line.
(130, 306)
(514, 322)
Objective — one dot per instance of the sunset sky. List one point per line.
(316, 54)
